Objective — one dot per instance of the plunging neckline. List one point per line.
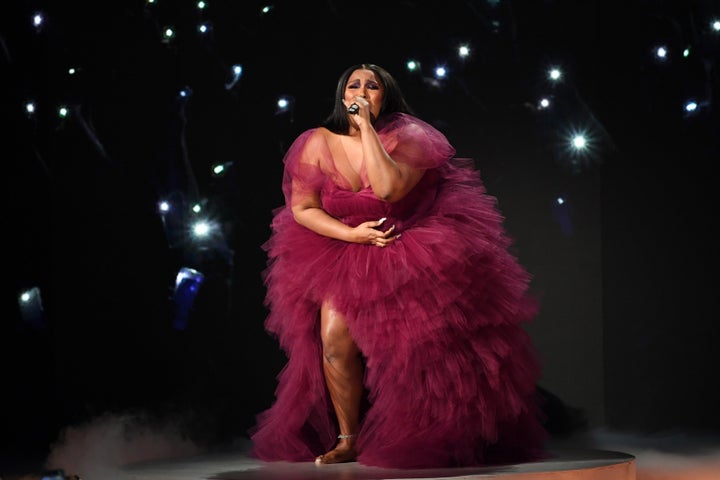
(347, 165)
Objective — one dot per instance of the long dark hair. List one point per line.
(393, 98)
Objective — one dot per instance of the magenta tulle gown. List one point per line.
(450, 372)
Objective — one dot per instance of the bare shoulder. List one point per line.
(317, 137)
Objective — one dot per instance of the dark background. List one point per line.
(626, 268)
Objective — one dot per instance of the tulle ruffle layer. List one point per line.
(438, 315)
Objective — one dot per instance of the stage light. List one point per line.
(204, 28)
(236, 71)
(185, 93)
(201, 229)
(63, 112)
(579, 148)
(196, 208)
(715, 25)
(463, 51)
(266, 9)
(661, 52)
(284, 104)
(555, 74)
(440, 72)
(579, 142)
(221, 168)
(31, 307)
(686, 52)
(201, 5)
(412, 65)
(38, 20)
(187, 284)
(561, 215)
(543, 103)
(168, 34)
(30, 108)
(693, 107)
(173, 214)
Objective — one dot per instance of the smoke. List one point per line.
(99, 448)
(668, 455)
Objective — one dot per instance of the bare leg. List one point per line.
(343, 370)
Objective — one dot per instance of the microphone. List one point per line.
(353, 109)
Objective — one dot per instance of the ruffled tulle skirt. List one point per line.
(438, 315)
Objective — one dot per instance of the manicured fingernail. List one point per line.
(382, 219)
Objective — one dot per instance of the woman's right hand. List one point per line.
(368, 233)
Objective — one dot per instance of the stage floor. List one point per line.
(562, 465)
(106, 452)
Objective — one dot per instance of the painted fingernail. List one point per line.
(382, 219)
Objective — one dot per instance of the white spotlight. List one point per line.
(221, 168)
(555, 74)
(579, 142)
(413, 65)
(201, 229)
(168, 34)
(464, 51)
(31, 307)
(185, 92)
(715, 25)
(38, 20)
(284, 104)
(440, 72)
(691, 106)
(236, 71)
(661, 52)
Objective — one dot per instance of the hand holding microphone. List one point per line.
(354, 107)
(361, 108)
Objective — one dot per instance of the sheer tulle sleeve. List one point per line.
(303, 173)
(409, 140)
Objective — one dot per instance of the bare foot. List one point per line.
(340, 454)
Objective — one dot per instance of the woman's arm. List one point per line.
(390, 180)
(309, 213)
